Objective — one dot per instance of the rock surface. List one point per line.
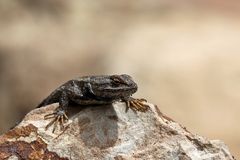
(109, 133)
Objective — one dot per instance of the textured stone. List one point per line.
(108, 132)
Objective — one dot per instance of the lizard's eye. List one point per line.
(117, 80)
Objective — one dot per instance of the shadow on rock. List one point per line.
(98, 126)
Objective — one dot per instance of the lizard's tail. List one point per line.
(52, 98)
(46, 101)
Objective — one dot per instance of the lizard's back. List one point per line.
(55, 95)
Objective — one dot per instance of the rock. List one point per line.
(108, 132)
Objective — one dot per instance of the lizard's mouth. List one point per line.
(121, 91)
(116, 92)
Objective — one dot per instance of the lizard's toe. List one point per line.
(137, 105)
(58, 117)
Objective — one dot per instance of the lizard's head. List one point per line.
(114, 86)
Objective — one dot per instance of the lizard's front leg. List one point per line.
(136, 104)
(59, 115)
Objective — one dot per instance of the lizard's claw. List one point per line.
(59, 116)
(137, 105)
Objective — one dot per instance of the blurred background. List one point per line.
(185, 56)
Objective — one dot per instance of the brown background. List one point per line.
(183, 54)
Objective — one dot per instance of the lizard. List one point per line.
(92, 90)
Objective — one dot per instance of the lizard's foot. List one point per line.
(137, 105)
(59, 117)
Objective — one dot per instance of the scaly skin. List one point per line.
(92, 90)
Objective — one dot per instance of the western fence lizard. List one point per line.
(92, 90)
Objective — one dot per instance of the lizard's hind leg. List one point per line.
(59, 117)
